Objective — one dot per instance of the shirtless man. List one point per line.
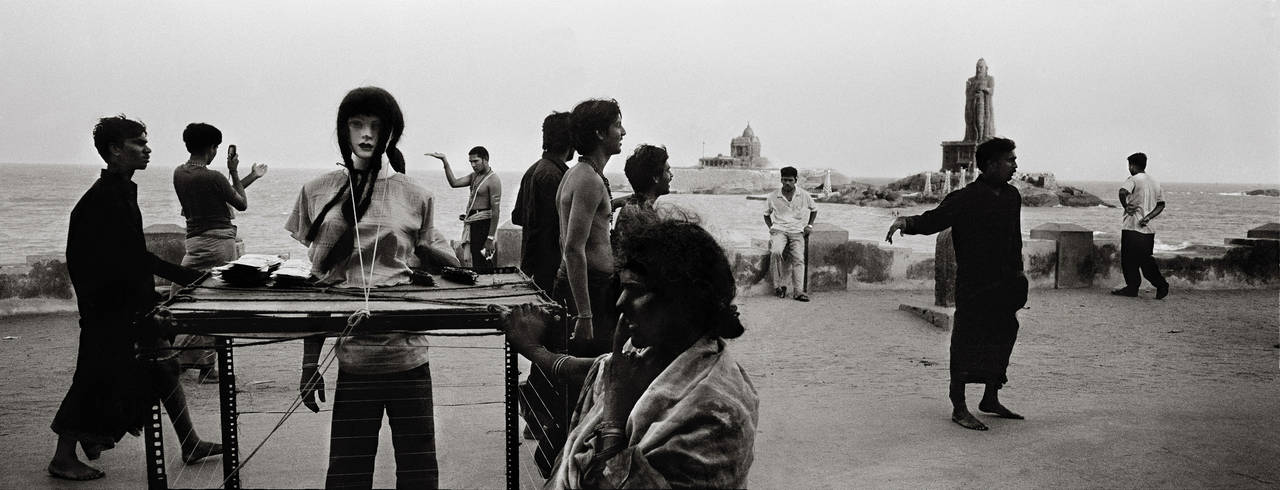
(584, 206)
(480, 223)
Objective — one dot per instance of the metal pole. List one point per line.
(153, 440)
(512, 417)
(806, 265)
(227, 402)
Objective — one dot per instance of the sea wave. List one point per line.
(1164, 247)
(1231, 194)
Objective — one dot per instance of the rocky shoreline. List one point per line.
(1037, 189)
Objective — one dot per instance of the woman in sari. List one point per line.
(669, 407)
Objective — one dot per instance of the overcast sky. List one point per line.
(869, 88)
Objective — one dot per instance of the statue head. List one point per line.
(982, 67)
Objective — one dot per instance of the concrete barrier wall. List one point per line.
(836, 262)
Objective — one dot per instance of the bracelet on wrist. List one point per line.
(582, 317)
(558, 366)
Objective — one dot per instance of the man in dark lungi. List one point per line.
(122, 366)
(990, 284)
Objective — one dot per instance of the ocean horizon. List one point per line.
(38, 198)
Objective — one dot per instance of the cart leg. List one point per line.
(153, 439)
(227, 402)
(513, 422)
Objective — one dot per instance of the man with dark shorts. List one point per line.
(121, 368)
(480, 224)
(207, 198)
(990, 284)
(535, 211)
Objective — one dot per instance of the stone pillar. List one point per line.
(1075, 266)
(168, 242)
(946, 182)
(508, 242)
(944, 270)
(825, 273)
(963, 178)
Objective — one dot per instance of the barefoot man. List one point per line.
(990, 285)
(480, 223)
(122, 366)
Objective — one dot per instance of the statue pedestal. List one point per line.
(959, 154)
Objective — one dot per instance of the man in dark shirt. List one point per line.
(990, 284)
(207, 198)
(535, 209)
(111, 270)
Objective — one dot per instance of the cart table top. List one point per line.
(211, 306)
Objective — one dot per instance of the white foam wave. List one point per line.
(1164, 247)
(1231, 194)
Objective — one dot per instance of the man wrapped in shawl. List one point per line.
(669, 407)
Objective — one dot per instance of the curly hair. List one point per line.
(682, 263)
(644, 165)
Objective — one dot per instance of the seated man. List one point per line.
(785, 212)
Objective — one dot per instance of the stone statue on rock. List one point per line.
(979, 120)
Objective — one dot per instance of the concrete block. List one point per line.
(827, 270)
(167, 241)
(750, 266)
(1040, 262)
(1075, 267)
(1269, 230)
(938, 316)
(508, 242)
(944, 270)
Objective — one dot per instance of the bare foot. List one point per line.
(91, 450)
(74, 470)
(202, 449)
(967, 420)
(995, 408)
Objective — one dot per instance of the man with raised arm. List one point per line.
(586, 283)
(207, 198)
(986, 232)
(480, 223)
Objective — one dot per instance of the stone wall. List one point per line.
(836, 262)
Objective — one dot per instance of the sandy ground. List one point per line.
(1118, 392)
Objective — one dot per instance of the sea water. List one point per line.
(36, 201)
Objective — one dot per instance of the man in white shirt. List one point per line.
(789, 212)
(1143, 201)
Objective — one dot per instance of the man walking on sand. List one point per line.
(207, 198)
(480, 223)
(1143, 201)
(789, 213)
(984, 218)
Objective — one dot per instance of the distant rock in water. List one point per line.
(1264, 192)
(736, 180)
(1037, 189)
